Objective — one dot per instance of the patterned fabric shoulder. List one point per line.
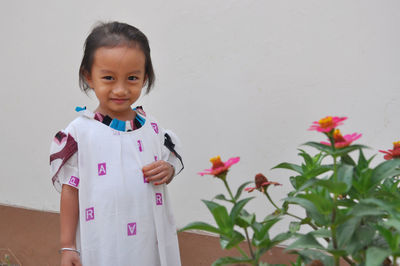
(63, 147)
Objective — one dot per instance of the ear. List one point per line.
(88, 78)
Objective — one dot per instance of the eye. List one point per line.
(132, 78)
(107, 78)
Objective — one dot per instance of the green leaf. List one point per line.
(222, 197)
(375, 256)
(297, 181)
(347, 160)
(289, 166)
(364, 209)
(384, 170)
(238, 207)
(305, 241)
(265, 226)
(363, 183)
(245, 219)
(221, 216)
(345, 175)
(325, 233)
(393, 223)
(309, 255)
(348, 149)
(318, 170)
(297, 263)
(319, 146)
(294, 226)
(240, 189)
(323, 204)
(281, 237)
(346, 230)
(332, 186)
(389, 237)
(230, 260)
(337, 252)
(200, 226)
(362, 161)
(372, 203)
(311, 209)
(231, 241)
(362, 237)
(307, 158)
(261, 232)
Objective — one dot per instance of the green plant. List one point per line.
(351, 208)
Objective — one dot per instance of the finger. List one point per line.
(162, 181)
(157, 178)
(170, 179)
(168, 176)
(153, 172)
(151, 166)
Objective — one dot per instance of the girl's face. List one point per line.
(117, 78)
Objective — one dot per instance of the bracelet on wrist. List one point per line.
(69, 249)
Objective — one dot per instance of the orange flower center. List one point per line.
(326, 122)
(337, 136)
(396, 145)
(216, 162)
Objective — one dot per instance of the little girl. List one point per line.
(112, 165)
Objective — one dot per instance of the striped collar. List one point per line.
(114, 123)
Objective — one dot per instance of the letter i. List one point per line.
(140, 145)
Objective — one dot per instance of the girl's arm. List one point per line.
(69, 213)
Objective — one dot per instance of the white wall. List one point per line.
(234, 78)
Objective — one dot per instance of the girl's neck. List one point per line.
(123, 116)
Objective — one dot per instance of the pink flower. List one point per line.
(262, 183)
(342, 141)
(219, 168)
(395, 153)
(327, 124)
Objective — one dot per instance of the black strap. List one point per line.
(171, 147)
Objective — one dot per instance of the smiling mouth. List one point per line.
(119, 100)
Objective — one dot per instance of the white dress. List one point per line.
(122, 219)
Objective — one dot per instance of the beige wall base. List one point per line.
(32, 238)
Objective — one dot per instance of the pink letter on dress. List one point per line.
(89, 214)
(74, 181)
(131, 229)
(158, 198)
(102, 170)
(140, 145)
(155, 127)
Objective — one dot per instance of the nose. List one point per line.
(119, 90)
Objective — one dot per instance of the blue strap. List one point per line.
(78, 108)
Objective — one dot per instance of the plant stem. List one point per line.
(241, 251)
(245, 229)
(348, 260)
(287, 213)
(333, 226)
(270, 200)
(334, 241)
(249, 243)
(229, 190)
(334, 170)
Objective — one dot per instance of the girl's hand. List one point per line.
(70, 258)
(158, 172)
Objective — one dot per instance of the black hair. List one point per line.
(113, 34)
